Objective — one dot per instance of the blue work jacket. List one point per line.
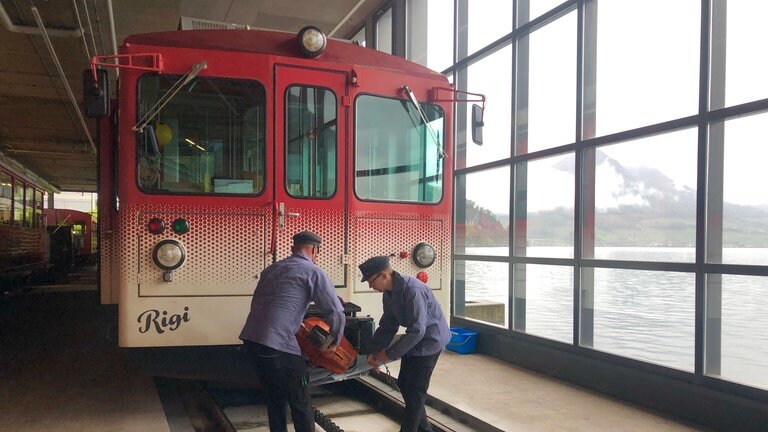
(413, 305)
(281, 299)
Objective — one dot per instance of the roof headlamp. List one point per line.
(312, 41)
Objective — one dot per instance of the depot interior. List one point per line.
(632, 125)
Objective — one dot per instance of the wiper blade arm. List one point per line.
(160, 104)
(407, 90)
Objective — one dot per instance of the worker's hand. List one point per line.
(372, 362)
(378, 359)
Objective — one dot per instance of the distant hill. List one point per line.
(643, 207)
(483, 227)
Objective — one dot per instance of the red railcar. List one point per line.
(80, 227)
(23, 239)
(225, 143)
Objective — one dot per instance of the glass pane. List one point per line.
(384, 32)
(310, 142)
(18, 202)
(545, 199)
(481, 291)
(78, 233)
(359, 37)
(745, 69)
(6, 198)
(548, 295)
(549, 120)
(398, 157)
(745, 330)
(645, 199)
(29, 207)
(488, 20)
(745, 211)
(429, 37)
(39, 208)
(209, 139)
(646, 76)
(644, 315)
(482, 213)
(492, 77)
(539, 7)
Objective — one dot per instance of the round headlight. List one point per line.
(312, 41)
(424, 255)
(169, 254)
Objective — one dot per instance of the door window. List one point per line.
(310, 142)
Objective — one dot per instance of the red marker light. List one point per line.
(403, 254)
(422, 276)
(156, 226)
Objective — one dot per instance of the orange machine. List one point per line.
(314, 336)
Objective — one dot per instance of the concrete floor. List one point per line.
(514, 399)
(61, 371)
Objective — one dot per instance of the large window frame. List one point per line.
(702, 267)
(209, 139)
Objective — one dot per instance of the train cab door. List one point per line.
(310, 142)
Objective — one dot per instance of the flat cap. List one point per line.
(373, 266)
(306, 237)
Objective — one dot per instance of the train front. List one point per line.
(228, 142)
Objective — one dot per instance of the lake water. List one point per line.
(644, 315)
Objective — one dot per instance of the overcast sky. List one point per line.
(644, 77)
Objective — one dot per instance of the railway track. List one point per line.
(367, 403)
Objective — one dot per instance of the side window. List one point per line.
(398, 154)
(6, 197)
(18, 202)
(208, 139)
(29, 208)
(310, 142)
(39, 197)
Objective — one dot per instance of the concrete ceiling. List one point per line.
(41, 128)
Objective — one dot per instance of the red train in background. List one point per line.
(74, 234)
(24, 245)
(38, 245)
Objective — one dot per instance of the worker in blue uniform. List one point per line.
(410, 303)
(279, 303)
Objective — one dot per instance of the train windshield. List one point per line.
(399, 154)
(208, 139)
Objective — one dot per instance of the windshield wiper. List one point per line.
(158, 106)
(407, 90)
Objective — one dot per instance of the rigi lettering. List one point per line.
(161, 321)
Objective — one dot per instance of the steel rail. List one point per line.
(376, 391)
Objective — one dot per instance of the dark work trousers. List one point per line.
(413, 380)
(285, 381)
